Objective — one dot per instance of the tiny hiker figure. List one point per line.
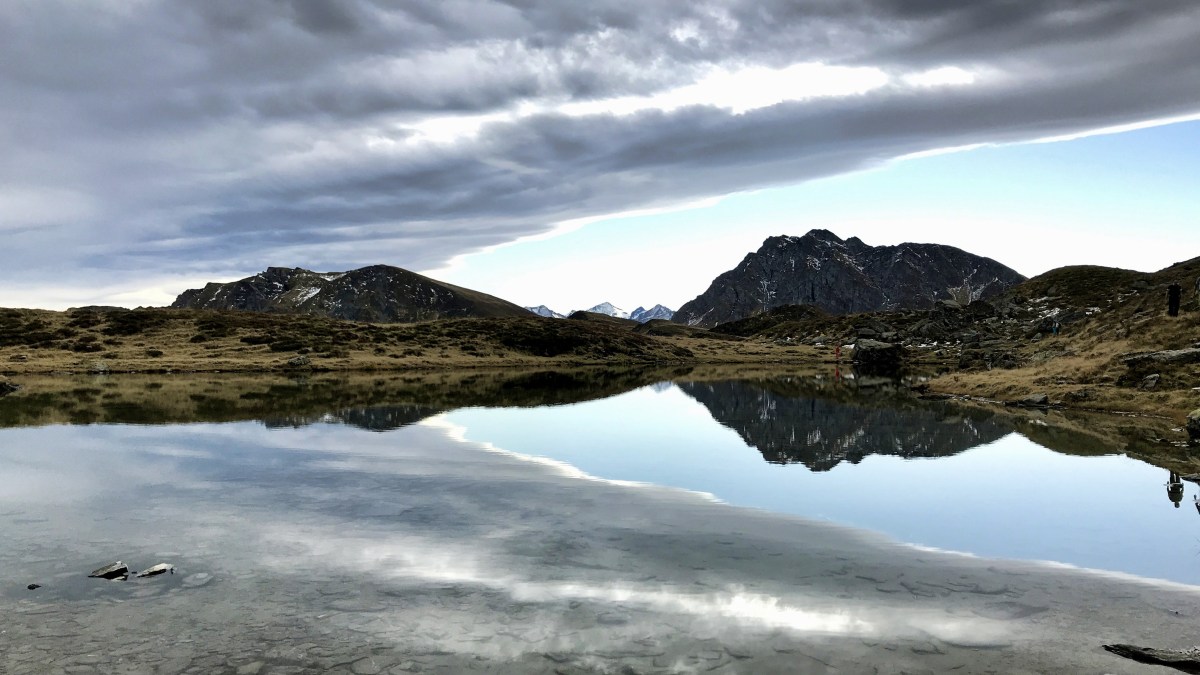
(837, 353)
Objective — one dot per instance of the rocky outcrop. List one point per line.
(874, 356)
(1168, 357)
(1031, 401)
(846, 276)
(378, 293)
(1193, 426)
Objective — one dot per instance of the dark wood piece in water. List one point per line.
(1186, 660)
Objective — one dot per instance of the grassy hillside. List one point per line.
(161, 340)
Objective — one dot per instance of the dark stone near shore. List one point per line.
(7, 388)
(1032, 401)
(33, 587)
(877, 357)
(1193, 426)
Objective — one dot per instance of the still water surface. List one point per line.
(610, 535)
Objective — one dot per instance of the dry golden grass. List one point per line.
(37, 341)
(1083, 368)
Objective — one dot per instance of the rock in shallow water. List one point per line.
(160, 568)
(117, 570)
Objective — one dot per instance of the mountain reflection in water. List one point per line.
(792, 421)
(380, 526)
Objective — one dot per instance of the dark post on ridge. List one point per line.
(1174, 291)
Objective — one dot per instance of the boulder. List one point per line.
(1170, 356)
(299, 362)
(1032, 401)
(1150, 382)
(7, 388)
(160, 568)
(873, 355)
(1193, 426)
(117, 570)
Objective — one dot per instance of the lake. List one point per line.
(594, 522)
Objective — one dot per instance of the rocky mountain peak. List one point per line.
(380, 293)
(845, 276)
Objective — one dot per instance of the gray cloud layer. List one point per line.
(165, 137)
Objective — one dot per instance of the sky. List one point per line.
(569, 153)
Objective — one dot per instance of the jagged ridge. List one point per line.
(845, 276)
(379, 293)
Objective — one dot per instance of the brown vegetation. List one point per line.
(169, 340)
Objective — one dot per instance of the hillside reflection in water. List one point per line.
(932, 475)
(420, 536)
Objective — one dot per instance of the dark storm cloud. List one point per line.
(159, 137)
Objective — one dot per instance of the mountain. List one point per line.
(642, 315)
(844, 277)
(607, 308)
(542, 310)
(379, 293)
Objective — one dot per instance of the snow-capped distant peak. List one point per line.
(656, 312)
(542, 310)
(609, 309)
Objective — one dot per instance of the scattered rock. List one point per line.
(1193, 426)
(19, 358)
(1079, 396)
(1187, 660)
(1150, 382)
(160, 568)
(117, 570)
(1170, 356)
(7, 388)
(33, 587)
(1032, 401)
(299, 362)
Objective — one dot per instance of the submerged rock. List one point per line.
(197, 580)
(160, 568)
(33, 587)
(117, 570)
